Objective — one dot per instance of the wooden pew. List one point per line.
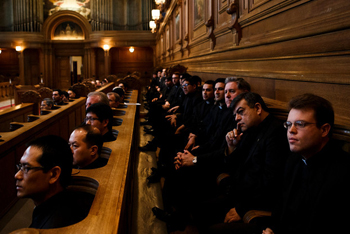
(112, 183)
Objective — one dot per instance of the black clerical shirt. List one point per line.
(63, 209)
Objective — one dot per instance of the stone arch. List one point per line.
(59, 17)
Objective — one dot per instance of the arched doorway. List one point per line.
(65, 56)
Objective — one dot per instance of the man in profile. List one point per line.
(96, 97)
(100, 115)
(316, 194)
(71, 93)
(86, 145)
(46, 104)
(57, 97)
(44, 172)
(114, 99)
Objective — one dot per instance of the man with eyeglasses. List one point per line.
(100, 115)
(317, 176)
(44, 172)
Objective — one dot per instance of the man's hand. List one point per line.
(179, 129)
(166, 106)
(177, 160)
(267, 231)
(233, 138)
(174, 109)
(232, 216)
(172, 119)
(191, 141)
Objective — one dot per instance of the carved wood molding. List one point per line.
(233, 11)
(210, 25)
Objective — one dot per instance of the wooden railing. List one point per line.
(112, 183)
(12, 142)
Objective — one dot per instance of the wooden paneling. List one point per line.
(287, 47)
(123, 62)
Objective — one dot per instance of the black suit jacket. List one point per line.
(255, 167)
(316, 197)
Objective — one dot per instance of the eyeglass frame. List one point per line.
(299, 124)
(91, 119)
(25, 169)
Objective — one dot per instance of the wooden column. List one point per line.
(107, 72)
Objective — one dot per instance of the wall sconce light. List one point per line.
(152, 25)
(0, 51)
(106, 47)
(131, 49)
(19, 48)
(155, 14)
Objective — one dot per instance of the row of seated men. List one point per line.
(223, 154)
(61, 97)
(45, 169)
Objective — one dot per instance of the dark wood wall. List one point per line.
(282, 47)
(9, 64)
(124, 62)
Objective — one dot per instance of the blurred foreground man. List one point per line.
(316, 193)
(44, 172)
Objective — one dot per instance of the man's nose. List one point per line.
(238, 117)
(18, 175)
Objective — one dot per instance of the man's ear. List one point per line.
(325, 128)
(94, 150)
(258, 108)
(55, 173)
(105, 122)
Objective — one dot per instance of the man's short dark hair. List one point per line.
(92, 137)
(168, 78)
(197, 79)
(59, 91)
(185, 75)
(251, 99)
(322, 108)
(241, 83)
(102, 111)
(119, 91)
(220, 80)
(65, 94)
(74, 90)
(210, 82)
(56, 152)
(176, 73)
(191, 80)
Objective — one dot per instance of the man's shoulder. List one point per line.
(63, 209)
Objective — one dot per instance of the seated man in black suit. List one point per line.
(254, 158)
(316, 193)
(43, 175)
(100, 115)
(86, 145)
